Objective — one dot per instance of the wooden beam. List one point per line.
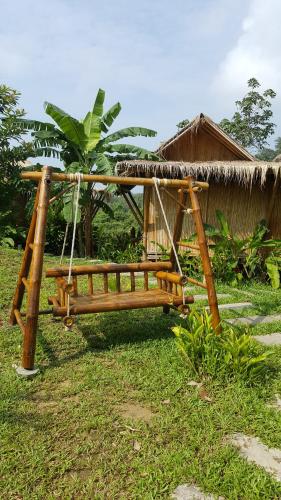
(112, 179)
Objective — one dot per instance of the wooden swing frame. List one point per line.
(170, 284)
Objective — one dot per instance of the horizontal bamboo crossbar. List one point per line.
(188, 245)
(197, 283)
(114, 179)
(171, 278)
(120, 301)
(108, 268)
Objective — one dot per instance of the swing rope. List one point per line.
(78, 177)
(156, 182)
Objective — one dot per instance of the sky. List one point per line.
(164, 61)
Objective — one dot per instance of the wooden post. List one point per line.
(25, 265)
(146, 203)
(29, 342)
(207, 269)
(182, 199)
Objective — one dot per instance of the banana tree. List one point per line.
(86, 146)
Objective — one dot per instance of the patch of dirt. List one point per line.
(43, 406)
(135, 411)
(65, 384)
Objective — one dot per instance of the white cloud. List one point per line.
(256, 53)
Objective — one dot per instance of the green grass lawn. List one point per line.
(111, 415)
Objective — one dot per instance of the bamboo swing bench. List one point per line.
(71, 300)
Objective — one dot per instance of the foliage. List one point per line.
(251, 124)
(182, 124)
(228, 355)
(268, 154)
(9, 234)
(85, 146)
(190, 264)
(235, 259)
(13, 150)
(273, 267)
(117, 238)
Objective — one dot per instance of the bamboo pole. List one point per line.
(25, 265)
(108, 268)
(172, 278)
(136, 214)
(29, 343)
(207, 269)
(113, 179)
(146, 204)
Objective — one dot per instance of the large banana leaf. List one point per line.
(129, 132)
(98, 105)
(35, 125)
(273, 272)
(72, 128)
(104, 166)
(92, 128)
(131, 149)
(109, 117)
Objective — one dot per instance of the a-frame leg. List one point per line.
(205, 258)
(33, 283)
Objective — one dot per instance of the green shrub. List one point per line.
(226, 356)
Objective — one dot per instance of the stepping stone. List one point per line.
(270, 339)
(254, 451)
(187, 492)
(236, 305)
(254, 320)
(205, 297)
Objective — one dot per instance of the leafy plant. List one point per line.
(228, 355)
(85, 146)
(235, 259)
(273, 267)
(9, 234)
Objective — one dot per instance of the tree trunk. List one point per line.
(88, 231)
(81, 249)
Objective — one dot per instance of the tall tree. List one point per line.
(14, 150)
(85, 146)
(251, 125)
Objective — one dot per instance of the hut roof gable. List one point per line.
(208, 125)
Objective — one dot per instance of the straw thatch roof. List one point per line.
(243, 172)
(207, 124)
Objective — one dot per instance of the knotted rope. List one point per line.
(156, 182)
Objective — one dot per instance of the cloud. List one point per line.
(256, 52)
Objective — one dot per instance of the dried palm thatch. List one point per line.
(243, 172)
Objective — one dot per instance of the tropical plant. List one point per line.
(85, 146)
(273, 268)
(229, 355)
(9, 234)
(251, 124)
(235, 259)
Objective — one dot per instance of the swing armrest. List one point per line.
(175, 278)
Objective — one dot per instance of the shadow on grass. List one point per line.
(111, 330)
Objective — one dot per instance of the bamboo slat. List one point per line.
(133, 281)
(118, 282)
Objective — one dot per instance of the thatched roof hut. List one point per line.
(244, 189)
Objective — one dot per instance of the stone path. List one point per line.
(204, 296)
(236, 305)
(187, 492)
(270, 339)
(255, 320)
(256, 452)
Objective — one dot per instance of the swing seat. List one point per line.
(113, 296)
